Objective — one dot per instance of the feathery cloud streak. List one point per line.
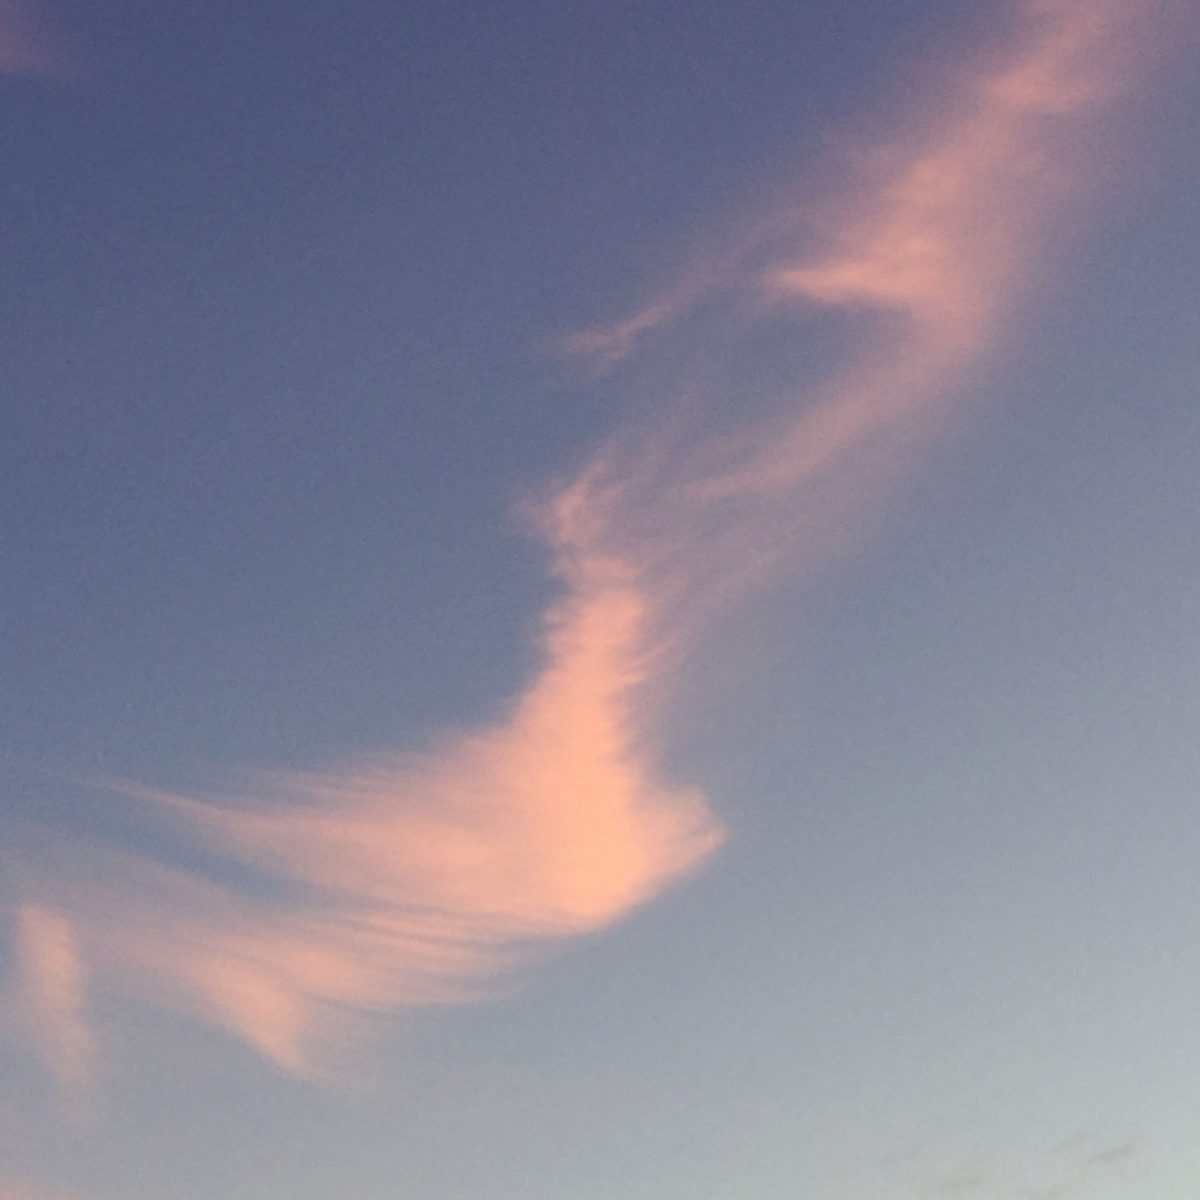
(412, 880)
(415, 879)
(50, 1006)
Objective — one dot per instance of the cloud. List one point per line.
(934, 235)
(420, 878)
(962, 1182)
(1069, 1168)
(50, 1003)
(1076, 1163)
(414, 879)
(1110, 1156)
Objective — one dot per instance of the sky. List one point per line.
(599, 601)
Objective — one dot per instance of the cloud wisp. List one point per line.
(50, 1005)
(418, 878)
(1071, 1168)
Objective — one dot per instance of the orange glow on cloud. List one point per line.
(415, 879)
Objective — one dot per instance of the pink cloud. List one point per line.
(936, 235)
(50, 1005)
(420, 878)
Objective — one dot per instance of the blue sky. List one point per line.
(599, 601)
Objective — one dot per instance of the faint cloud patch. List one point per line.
(966, 1181)
(49, 1003)
(1070, 1169)
(1075, 1164)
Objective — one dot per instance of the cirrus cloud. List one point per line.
(419, 878)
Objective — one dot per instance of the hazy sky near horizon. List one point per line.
(600, 601)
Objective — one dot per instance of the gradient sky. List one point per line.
(600, 601)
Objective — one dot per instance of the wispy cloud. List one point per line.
(50, 1003)
(1070, 1168)
(1111, 1155)
(417, 878)
(964, 1181)
(1074, 1165)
